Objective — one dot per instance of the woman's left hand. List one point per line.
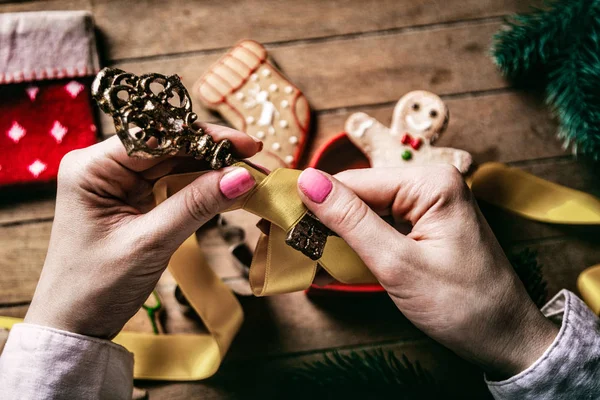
(110, 244)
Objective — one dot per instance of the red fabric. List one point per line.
(336, 155)
(40, 122)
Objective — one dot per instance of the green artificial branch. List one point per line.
(557, 48)
(364, 375)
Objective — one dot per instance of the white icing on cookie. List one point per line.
(423, 126)
(253, 77)
(288, 89)
(260, 98)
(250, 120)
(285, 104)
(260, 134)
(239, 95)
(362, 128)
(276, 146)
(293, 140)
(289, 159)
(271, 130)
(267, 114)
(283, 123)
(266, 72)
(273, 87)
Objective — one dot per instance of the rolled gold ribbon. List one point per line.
(532, 197)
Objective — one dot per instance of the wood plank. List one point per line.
(367, 70)
(50, 5)
(14, 311)
(22, 204)
(199, 25)
(22, 256)
(379, 69)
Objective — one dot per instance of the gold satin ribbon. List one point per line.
(532, 197)
(588, 284)
(277, 268)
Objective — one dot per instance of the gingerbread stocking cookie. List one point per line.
(254, 97)
(420, 117)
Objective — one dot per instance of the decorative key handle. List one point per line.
(419, 119)
(153, 116)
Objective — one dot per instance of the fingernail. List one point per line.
(236, 183)
(314, 185)
(258, 141)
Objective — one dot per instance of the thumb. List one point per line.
(377, 243)
(178, 217)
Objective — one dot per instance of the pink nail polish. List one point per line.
(236, 183)
(314, 185)
(257, 141)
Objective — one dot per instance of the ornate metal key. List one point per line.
(153, 116)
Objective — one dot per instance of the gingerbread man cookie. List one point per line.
(255, 97)
(420, 117)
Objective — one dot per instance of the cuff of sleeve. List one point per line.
(570, 363)
(43, 362)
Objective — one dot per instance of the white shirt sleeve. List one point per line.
(44, 363)
(570, 367)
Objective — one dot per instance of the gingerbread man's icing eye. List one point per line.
(433, 114)
(416, 107)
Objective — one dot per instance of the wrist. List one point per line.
(70, 316)
(520, 346)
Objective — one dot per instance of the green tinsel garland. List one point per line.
(557, 47)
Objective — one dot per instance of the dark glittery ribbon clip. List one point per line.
(309, 236)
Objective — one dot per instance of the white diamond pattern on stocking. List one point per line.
(58, 131)
(16, 132)
(74, 88)
(32, 92)
(37, 167)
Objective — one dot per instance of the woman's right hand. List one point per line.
(449, 275)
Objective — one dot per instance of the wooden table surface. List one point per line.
(347, 56)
